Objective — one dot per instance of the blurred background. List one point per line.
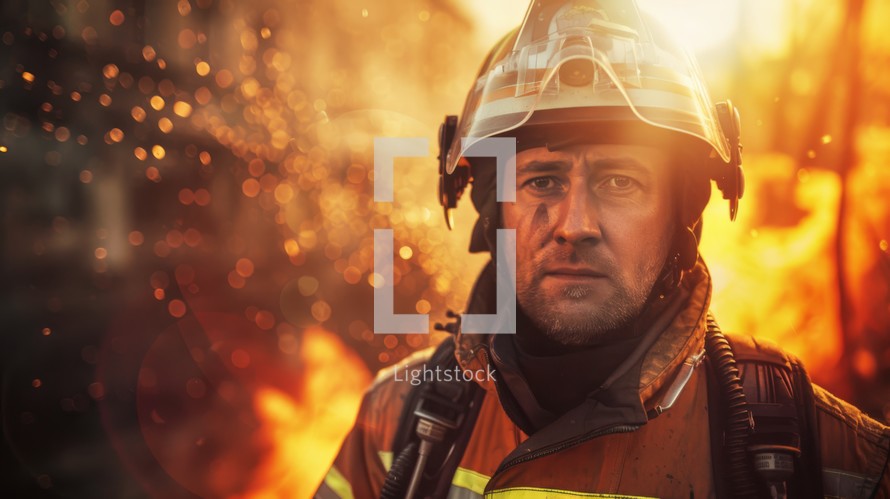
(187, 201)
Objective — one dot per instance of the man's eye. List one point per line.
(542, 183)
(619, 182)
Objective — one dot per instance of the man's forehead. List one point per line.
(592, 155)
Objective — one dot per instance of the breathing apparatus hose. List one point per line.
(400, 473)
(738, 418)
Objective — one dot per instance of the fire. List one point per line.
(305, 433)
(237, 416)
(773, 271)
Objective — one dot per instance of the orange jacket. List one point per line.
(666, 457)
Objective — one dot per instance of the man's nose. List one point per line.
(578, 220)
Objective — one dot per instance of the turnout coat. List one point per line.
(610, 446)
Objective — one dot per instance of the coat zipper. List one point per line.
(566, 444)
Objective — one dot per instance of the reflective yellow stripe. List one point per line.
(539, 493)
(338, 483)
(386, 459)
(470, 480)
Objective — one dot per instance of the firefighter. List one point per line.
(618, 381)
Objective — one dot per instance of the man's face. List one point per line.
(594, 225)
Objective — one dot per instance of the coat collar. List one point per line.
(682, 338)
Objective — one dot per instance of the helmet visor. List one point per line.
(589, 61)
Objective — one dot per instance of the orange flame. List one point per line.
(772, 268)
(304, 435)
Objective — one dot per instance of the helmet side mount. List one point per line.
(451, 185)
(730, 177)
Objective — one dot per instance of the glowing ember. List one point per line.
(157, 103)
(182, 109)
(116, 18)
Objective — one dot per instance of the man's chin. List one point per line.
(577, 301)
(573, 314)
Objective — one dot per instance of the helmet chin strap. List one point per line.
(681, 259)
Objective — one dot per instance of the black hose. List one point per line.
(738, 422)
(400, 473)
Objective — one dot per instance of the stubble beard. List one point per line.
(596, 323)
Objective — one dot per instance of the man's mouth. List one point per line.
(581, 274)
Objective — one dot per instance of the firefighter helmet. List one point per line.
(596, 66)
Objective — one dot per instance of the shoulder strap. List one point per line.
(448, 401)
(782, 442)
